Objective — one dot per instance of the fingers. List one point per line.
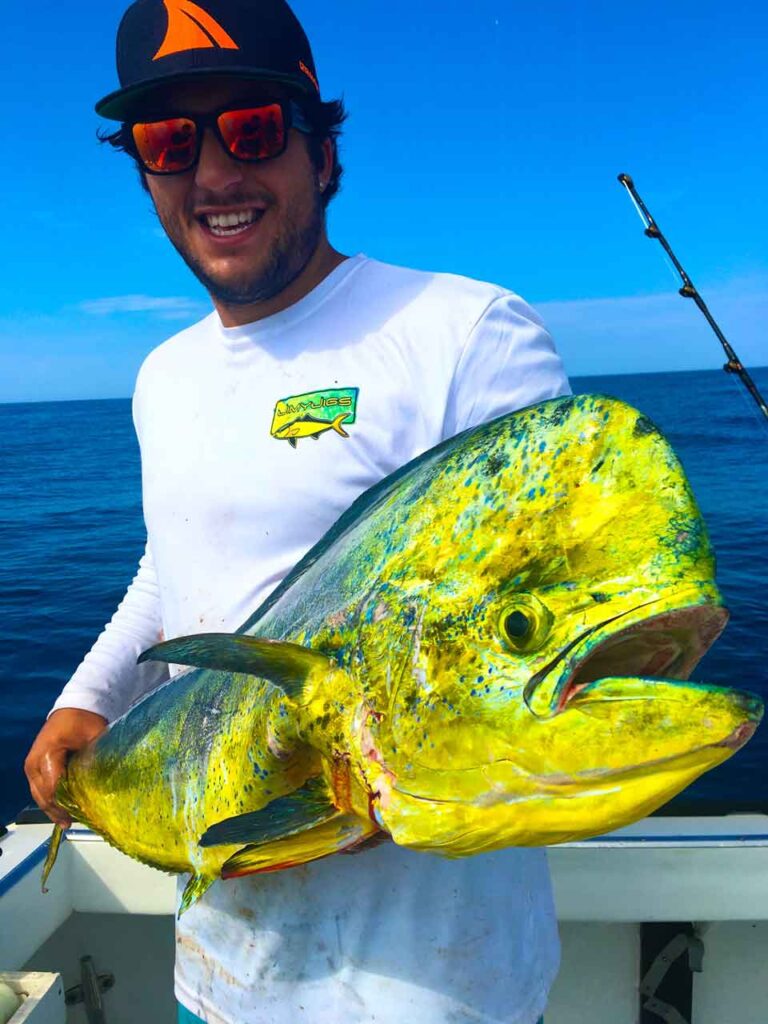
(44, 768)
(67, 730)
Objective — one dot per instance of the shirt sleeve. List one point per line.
(108, 680)
(509, 362)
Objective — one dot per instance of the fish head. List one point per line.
(557, 607)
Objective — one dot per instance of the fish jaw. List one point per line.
(668, 739)
(583, 751)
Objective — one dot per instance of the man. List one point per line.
(220, 107)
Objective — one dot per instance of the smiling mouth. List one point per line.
(232, 222)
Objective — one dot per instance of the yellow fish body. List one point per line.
(490, 648)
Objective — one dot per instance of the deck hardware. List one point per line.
(32, 815)
(89, 991)
(678, 987)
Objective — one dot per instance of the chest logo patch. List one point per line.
(314, 413)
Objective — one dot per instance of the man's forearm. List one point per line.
(108, 679)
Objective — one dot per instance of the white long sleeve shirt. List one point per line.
(243, 471)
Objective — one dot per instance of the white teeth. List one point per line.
(225, 222)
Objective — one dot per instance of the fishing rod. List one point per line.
(688, 291)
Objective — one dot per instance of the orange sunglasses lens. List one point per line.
(166, 147)
(254, 134)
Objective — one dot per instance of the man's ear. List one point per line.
(325, 171)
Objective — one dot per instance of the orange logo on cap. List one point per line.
(192, 28)
(309, 74)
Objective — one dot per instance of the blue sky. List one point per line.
(483, 139)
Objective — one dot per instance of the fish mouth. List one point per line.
(667, 645)
(740, 735)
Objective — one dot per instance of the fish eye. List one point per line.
(525, 623)
(517, 625)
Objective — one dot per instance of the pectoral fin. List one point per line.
(291, 830)
(285, 664)
(335, 835)
(308, 807)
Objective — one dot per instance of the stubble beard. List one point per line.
(288, 256)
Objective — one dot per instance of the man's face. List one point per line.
(277, 202)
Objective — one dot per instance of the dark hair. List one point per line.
(325, 119)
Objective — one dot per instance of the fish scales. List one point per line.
(491, 647)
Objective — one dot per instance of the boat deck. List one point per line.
(711, 873)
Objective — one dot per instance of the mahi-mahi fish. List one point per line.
(310, 426)
(489, 648)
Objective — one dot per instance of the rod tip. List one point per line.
(626, 180)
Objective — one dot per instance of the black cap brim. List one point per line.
(127, 104)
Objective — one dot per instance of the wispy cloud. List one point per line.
(629, 334)
(172, 307)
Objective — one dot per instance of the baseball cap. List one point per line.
(161, 41)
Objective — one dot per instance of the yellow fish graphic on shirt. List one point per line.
(314, 413)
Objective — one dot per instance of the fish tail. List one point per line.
(337, 424)
(65, 799)
(53, 849)
(194, 889)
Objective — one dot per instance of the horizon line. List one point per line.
(574, 376)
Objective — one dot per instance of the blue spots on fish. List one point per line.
(495, 464)
(409, 615)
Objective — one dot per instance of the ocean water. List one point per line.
(71, 533)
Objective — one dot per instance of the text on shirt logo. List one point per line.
(314, 413)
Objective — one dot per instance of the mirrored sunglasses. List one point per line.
(250, 134)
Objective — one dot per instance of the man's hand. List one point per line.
(67, 730)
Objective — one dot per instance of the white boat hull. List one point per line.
(711, 871)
